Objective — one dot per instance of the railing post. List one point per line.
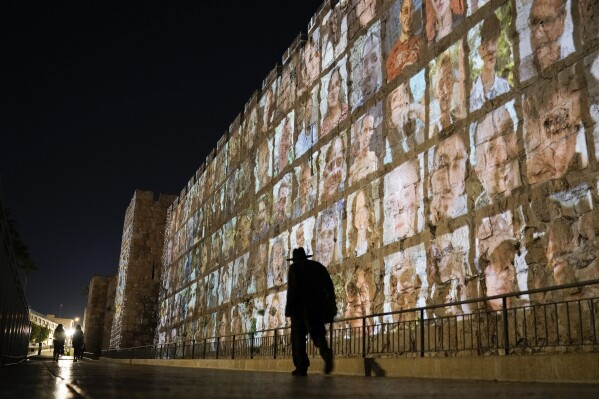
(505, 326)
(252, 345)
(421, 332)
(275, 338)
(363, 336)
(331, 335)
(204, 357)
(233, 348)
(217, 346)
(193, 348)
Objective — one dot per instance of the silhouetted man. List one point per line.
(310, 304)
(78, 342)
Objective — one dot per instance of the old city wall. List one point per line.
(425, 152)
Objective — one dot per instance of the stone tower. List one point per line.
(138, 279)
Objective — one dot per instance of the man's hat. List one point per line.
(299, 254)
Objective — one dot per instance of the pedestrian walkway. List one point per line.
(40, 377)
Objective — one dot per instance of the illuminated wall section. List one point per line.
(426, 151)
(138, 278)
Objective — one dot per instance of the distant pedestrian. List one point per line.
(78, 342)
(310, 304)
(59, 337)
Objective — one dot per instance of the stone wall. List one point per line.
(425, 151)
(95, 313)
(138, 281)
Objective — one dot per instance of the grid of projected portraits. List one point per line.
(425, 151)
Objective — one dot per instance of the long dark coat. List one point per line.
(310, 292)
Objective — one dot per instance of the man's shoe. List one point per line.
(328, 361)
(299, 373)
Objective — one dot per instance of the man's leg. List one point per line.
(298, 346)
(318, 334)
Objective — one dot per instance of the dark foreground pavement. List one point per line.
(42, 378)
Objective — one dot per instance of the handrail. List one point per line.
(279, 338)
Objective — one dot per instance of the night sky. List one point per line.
(101, 99)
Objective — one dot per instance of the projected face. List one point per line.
(447, 180)
(261, 217)
(263, 168)
(366, 162)
(406, 49)
(442, 17)
(363, 223)
(547, 18)
(365, 11)
(371, 65)
(334, 168)
(552, 129)
(357, 297)
(496, 153)
(336, 103)
(403, 202)
(403, 281)
(328, 238)
(490, 80)
(278, 253)
(444, 89)
(407, 116)
(500, 273)
(308, 134)
(310, 62)
(268, 109)
(306, 181)
(243, 235)
(282, 210)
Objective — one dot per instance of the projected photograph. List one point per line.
(282, 200)
(257, 268)
(334, 34)
(475, 5)
(405, 282)
(275, 310)
(329, 238)
(224, 284)
(283, 152)
(491, 57)
(302, 235)
(403, 201)
(449, 273)
(359, 289)
(309, 61)
(495, 153)
(332, 168)
(234, 147)
(263, 170)
(547, 24)
(198, 232)
(288, 85)
(243, 181)
(553, 131)
(216, 246)
(447, 179)
(250, 126)
(591, 64)
(224, 323)
(500, 258)
(230, 193)
(212, 289)
(442, 16)
(243, 233)
(229, 237)
(362, 12)
(277, 260)
(367, 145)
(307, 124)
(333, 98)
(366, 66)
(262, 216)
(221, 162)
(268, 106)
(446, 75)
(589, 12)
(363, 220)
(240, 277)
(403, 39)
(306, 183)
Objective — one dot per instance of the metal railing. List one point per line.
(565, 325)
